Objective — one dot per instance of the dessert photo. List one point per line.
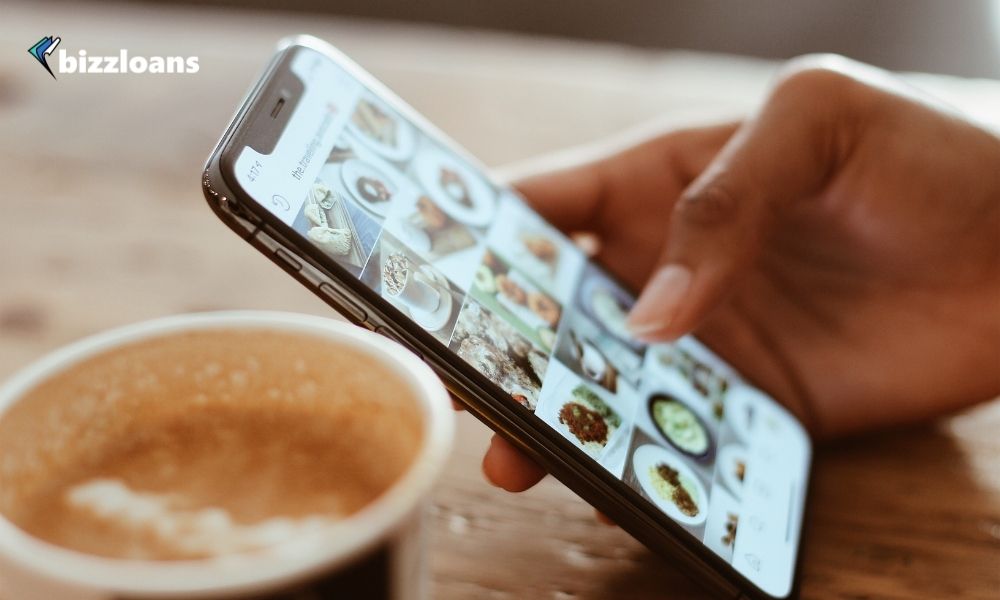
(499, 352)
(416, 288)
(363, 177)
(382, 130)
(454, 185)
(421, 224)
(509, 293)
(545, 255)
(339, 228)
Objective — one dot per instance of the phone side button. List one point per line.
(354, 311)
(386, 332)
(289, 260)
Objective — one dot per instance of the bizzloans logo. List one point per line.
(121, 64)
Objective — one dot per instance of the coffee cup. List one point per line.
(241, 455)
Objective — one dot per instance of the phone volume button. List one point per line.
(288, 259)
(343, 303)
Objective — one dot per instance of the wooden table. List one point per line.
(102, 223)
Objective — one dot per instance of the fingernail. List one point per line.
(659, 302)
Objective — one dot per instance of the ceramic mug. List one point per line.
(378, 552)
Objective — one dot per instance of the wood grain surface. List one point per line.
(102, 223)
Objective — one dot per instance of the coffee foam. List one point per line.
(204, 443)
(197, 532)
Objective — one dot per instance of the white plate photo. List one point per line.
(458, 189)
(646, 459)
(359, 176)
(381, 129)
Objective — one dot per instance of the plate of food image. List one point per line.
(609, 306)
(382, 130)
(588, 420)
(369, 186)
(680, 426)
(670, 484)
(460, 192)
(540, 250)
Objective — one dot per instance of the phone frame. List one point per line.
(362, 306)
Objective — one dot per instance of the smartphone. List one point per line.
(340, 183)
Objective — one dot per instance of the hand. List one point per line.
(841, 248)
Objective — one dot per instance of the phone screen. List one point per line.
(469, 262)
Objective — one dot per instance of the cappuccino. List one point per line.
(204, 443)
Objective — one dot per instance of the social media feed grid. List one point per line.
(480, 271)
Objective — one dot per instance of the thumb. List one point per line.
(785, 154)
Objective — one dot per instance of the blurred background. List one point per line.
(959, 37)
(104, 223)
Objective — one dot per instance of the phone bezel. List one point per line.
(483, 398)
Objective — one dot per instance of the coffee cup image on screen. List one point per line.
(413, 286)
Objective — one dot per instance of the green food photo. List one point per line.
(680, 426)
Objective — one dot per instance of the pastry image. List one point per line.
(484, 280)
(315, 215)
(332, 241)
(514, 297)
(500, 353)
(431, 216)
(511, 290)
(376, 123)
(680, 426)
(544, 307)
(541, 247)
(453, 185)
(321, 199)
(539, 362)
(321, 195)
(373, 190)
(485, 357)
